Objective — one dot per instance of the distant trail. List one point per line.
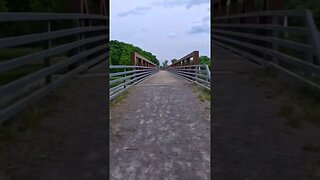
(160, 131)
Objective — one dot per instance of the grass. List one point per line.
(203, 94)
(311, 148)
(118, 99)
(28, 120)
(293, 119)
(299, 104)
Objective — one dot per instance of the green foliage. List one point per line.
(3, 7)
(18, 5)
(205, 60)
(173, 61)
(33, 5)
(120, 53)
(313, 5)
(48, 5)
(165, 63)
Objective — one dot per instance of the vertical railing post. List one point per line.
(208, 74)
(313, 37)
(47, 61)
(83, 48)
(311, 40)
(124, 81)
(275, 34)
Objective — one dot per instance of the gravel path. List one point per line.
(160, 131)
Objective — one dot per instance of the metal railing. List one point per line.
(199, 74)
(285, 41)
(67, 45)
(123, 77)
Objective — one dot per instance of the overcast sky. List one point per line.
(167, 28)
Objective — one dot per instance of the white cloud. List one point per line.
(166, 32)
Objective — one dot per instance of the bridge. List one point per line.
(161, 126)
(159, 118)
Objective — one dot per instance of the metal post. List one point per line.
(275, 34)
(47, 61)
(308, 57)
(124, 81)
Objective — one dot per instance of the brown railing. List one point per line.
(63, 46)
(286, 41)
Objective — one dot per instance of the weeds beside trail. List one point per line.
(298, 104)
(203, 94)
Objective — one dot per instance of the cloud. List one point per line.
(206, 19)
(198, 29)
(174, 3)
(139, 10)
(172, 35)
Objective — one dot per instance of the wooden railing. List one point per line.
(286, 41)
(67, 45)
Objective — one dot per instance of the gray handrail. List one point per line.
(76, 55)
(32, 16)
(199, 74)
(289, 53)
(127, 77)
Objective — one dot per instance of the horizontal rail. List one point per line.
(292, 13)
(289, 59)
(127, 72)
(14, 63)
(126, 79)
(126, 66)
(4, 90)
(286, 43)
(20, 40)
(85, 47)
(199, 74)
(275, 43)
(23, 103)
(12, 17)
(297, 30)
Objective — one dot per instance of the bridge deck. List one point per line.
(160, 131)
(251, 139)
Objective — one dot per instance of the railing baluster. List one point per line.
(47, 61)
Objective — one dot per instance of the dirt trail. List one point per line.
(160, 131)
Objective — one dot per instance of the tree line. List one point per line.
(33, 5)
(313, 5)
(202, 59)
(120, 53)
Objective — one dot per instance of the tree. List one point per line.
(18, 5)
(174, 61)
(48, 5)
(165, 63)
(120, 53)
(313, 5)
(3, 7)
(205, 60)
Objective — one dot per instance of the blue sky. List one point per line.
(167, 28)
